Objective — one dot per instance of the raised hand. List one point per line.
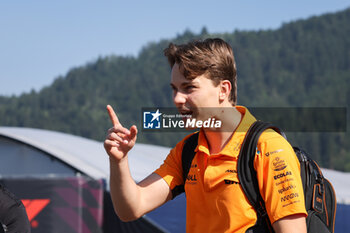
(119, 140)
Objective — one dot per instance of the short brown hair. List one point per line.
(213, 57)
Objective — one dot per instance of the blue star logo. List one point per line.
(151, 120)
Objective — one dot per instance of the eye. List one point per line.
(189, 88)
(173, 88)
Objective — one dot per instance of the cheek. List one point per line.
(194, 97)
(209, 95)
(203, 99)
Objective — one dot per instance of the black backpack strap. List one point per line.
(188, 153)
(246, 172)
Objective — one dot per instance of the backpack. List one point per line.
(320, 199)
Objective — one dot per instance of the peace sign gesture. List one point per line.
(119, 140)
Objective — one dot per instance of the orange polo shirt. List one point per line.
(215, 200)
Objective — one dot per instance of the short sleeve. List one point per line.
(171, 169)
(278, 172)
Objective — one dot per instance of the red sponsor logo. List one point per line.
(33, 208)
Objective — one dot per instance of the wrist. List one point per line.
(115, 161)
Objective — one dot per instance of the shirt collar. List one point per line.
(233, 147)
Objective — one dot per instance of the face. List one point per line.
(192, 97)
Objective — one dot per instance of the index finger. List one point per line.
(112, 115)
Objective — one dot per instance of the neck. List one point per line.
(218, 138)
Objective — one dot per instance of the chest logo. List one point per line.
(191, 177)
(231, 182)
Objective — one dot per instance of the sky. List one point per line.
(42, 40)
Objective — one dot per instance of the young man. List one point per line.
(203, 80)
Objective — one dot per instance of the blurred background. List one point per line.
(62, 62)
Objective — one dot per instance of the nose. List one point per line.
(179, 98)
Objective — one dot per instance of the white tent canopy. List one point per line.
(85, 155)
(88, 156)
(341, 184)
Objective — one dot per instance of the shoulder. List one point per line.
(273, 149)
(272, 139)
(270, 134)
(171, 170)
(176, 151)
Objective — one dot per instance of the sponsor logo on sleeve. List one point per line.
(284, 189)
(278, 164)
(281, 175)
(284, 181)
(267, 154)
(289, 197)
(290, 203)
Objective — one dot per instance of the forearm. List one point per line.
(125, 193)
(291, 224)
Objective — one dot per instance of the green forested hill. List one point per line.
(304, 63)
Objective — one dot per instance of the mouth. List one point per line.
(185, 113)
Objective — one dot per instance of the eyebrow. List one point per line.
(183, 84)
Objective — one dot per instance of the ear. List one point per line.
(225, 90)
